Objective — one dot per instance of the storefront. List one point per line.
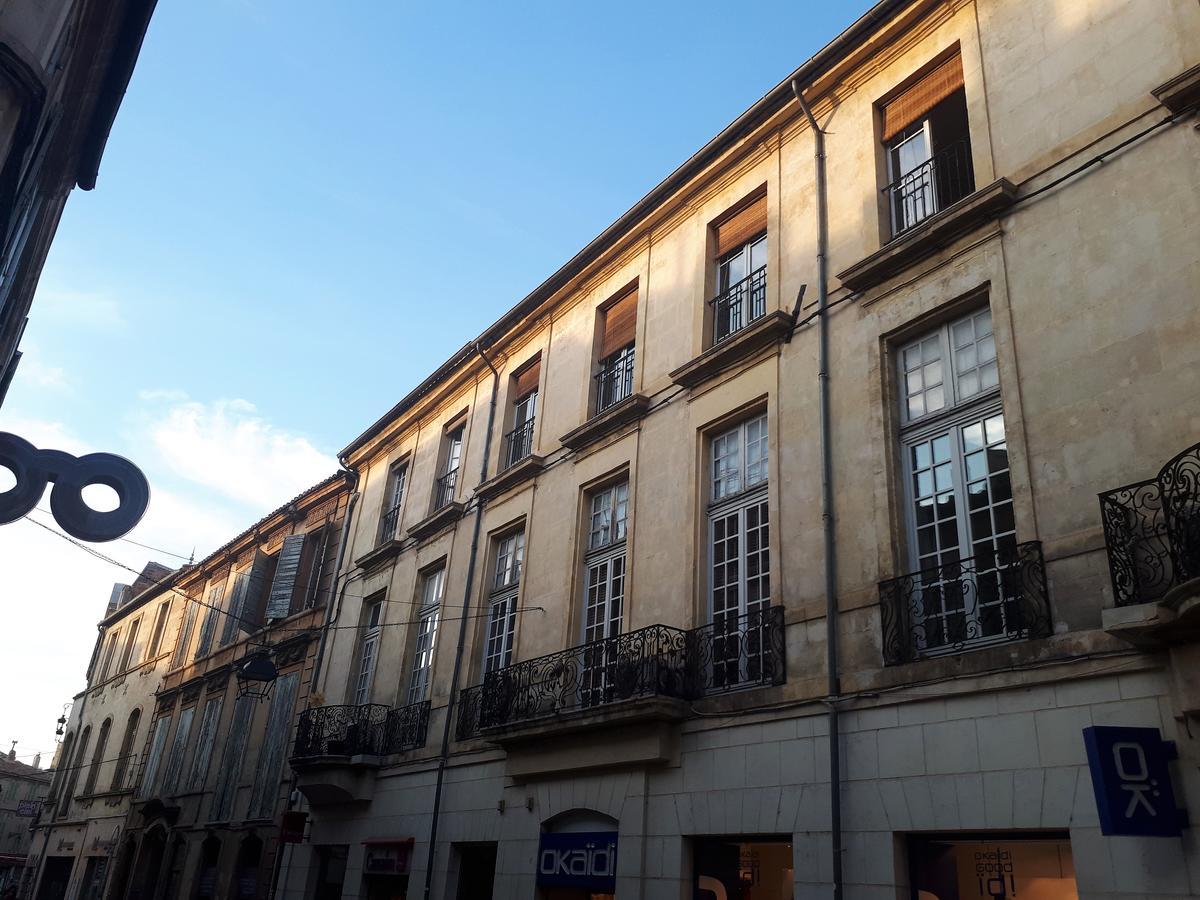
(577, 865)
(385, 868)
(992, 867)
(743, 868)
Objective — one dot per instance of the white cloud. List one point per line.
(172, 395)
(228, 447)
(33, 371)
(87, 310)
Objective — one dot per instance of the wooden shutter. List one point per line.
(237, 602)
(527, 379)
(265, 793)
(231, 759)
(204, 744)
(283, 585)
(923, 95)
(178, 748)
(620, 325)
(748, 222)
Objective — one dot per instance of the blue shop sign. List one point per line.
(1132, 781)
(583, 859)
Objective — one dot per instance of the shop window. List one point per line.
(733, 868)
(992, 867)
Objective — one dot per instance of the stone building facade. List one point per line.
(591, 552)
(23, 788)
(64, 66)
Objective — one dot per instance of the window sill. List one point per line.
(628, 410)
(1172, 620)
(772, 328)
(435, 522)
(511, 477)
(1181, 92)
(932, 234)
(380, 554)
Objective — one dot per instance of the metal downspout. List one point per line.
(444, 756)
(831, 606)
(352, 477)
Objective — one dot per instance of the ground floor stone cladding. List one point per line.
(917, 761)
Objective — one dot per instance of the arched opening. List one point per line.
(89, 786)
(206, 872)
(577, 856)
(120, 876)
(122, 769)
(73, 767)
(246, 873)
(149, 864)
(64, 768)
(178, 858)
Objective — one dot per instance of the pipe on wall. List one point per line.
(444, 755)
(830, 546)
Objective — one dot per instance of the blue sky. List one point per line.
(292, 202)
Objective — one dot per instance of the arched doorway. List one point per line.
(149, 864)
(206, 872)
(124, 865)
(246, 873)
(577, 856)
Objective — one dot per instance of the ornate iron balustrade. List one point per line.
(657, 661)
(387, 526)
(371, 729)
(443, 493)
(739, 305)
(614, 381)
(964, 605)
(1152, 531)
(518, 444)
(943, 179)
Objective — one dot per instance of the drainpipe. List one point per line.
(831, 607)
(352, 479)
(444, 756)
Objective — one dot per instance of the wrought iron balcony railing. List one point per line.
(657, 661)
(443, 493)
(739, 305)
(614, 381)
(371, 729)
(518, 444)
(965, 605)
(943, 179)
(1152, 531)
(387, 525)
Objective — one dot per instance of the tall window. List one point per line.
(604, 586)
(518, 443)
(928, 146)
(502, 604)
(447, 482)
(957, 485)
(158, 743)
(741, 270)
(397, 478)
(204, 744)
(432, 585)
(368, 650)
(186, 623)
(183, 736)
(208, 629)
(73, 776)
(130, 644)
(160, 623)
(614, 380)
(110, 651)
(739, 549)
(124, 760)
(265, 794)
(89, 786)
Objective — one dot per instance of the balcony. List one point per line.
(966, 605)
(939, 182)
(338, 748)
(1152, 533)
(614, 381)
(446, 509)
(616, 403)
(739, 305)
(518, 444)
(388, 525)
(443, 490)
(649, 674)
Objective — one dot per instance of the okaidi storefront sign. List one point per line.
(1132, 781)
(582, 859)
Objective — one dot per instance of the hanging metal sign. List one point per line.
(1132, 781)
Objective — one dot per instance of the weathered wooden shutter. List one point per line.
(178, 749)
(215, 596)
(185, 634)
(527, 379)
(921, 96)
(748, 222)
(157, 742)
(204, 744)
(620, 325)
(283, 586)
(237, 603)
(256, 591)
(274, 748)
(231, 759)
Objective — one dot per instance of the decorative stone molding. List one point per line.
(527, 468)
(628, 410)
(771, 328)
(434, 523)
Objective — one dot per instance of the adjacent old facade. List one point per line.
(64, 66)
(23, 788)
(858, 375)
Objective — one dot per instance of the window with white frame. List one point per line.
(425, 642)
(502, 602)
(368, 650)
(604, 587)
(959, 507)
(739, 549)
(389, 523)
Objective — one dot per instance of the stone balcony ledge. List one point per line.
(771, 328)
(598, 426)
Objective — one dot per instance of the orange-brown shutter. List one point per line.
(922, 96)
(748, 222)
(620, 324)
(527, 379)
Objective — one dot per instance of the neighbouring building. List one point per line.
(23, 788)
(582, 631)
(100, 755)
(64, 67)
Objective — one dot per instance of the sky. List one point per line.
(299, 215)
